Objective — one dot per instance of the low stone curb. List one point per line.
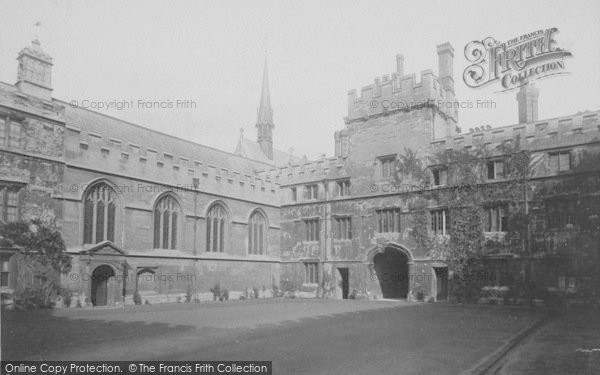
(492, 360)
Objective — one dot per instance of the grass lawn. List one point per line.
(299, 336)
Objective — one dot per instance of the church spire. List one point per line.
(264, 122)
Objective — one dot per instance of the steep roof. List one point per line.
(251, 150)
(110, 127)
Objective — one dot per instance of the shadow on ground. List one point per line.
(35, 334)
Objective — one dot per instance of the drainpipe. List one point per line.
(196, 182)
(325, 235)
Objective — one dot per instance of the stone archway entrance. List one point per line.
(100, 284)
(391, 267)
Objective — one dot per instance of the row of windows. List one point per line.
(494, 220)
(495, 169)
(388, 221)
(99, 222)
(311, 191)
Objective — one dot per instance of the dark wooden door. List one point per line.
(345, 282)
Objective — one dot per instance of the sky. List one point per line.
(211, 53)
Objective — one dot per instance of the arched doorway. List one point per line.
(100, 277)
(391, 267)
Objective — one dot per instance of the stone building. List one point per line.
(138, 209)
(144, 211)
(355, 223)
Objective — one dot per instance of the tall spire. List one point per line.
(264, 121)
(265, 113)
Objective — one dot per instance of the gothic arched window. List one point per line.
(257, 233)
(166, 220)
(100, 206)
(217, 222)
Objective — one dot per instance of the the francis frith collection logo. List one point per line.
(516, 62)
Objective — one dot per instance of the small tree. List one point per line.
(41, 259)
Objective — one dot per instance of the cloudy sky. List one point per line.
(212, 53)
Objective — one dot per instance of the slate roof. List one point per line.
(89, 121)
(251, 150)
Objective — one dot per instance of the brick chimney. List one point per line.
(527, 97)
(446, 65)
(400, 64)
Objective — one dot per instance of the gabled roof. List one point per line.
(251, 150)
(110, 127)
(104, 248)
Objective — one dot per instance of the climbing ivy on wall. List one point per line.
(465, 195)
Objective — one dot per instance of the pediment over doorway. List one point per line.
(104, 248)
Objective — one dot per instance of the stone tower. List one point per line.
(264, 122)
(34, 74)
(527, 99)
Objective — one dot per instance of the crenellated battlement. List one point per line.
(331, 167)
(119, 156)
(397, 91)
(555, 132)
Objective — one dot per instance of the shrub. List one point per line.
(30, 298)
(189, 293)
(67, 296)
(137, 299)
(287, 285)
(224, 295)
(255, 291)
(276, 291)
(216, 291)
(353, 294)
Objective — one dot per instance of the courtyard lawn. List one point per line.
(299, 336)
(568, 344)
